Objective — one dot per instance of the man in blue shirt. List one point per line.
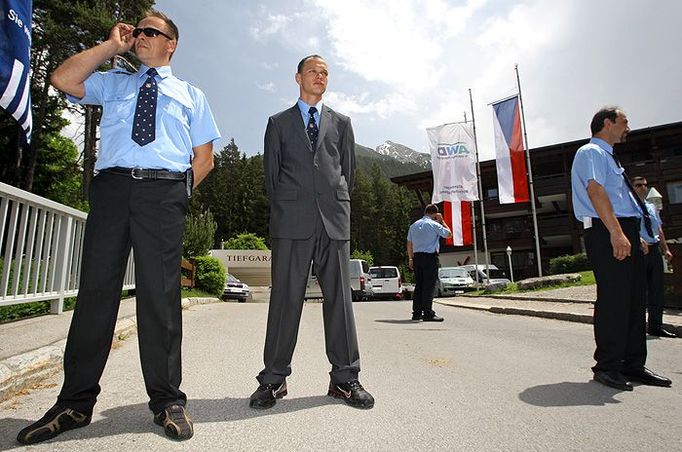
(604, 202)
(653, 263)
(423, 244)
(153, 125)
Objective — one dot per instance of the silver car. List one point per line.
(453, 280)
(235, 289)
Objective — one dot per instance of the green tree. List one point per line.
(235, 192)
(246, 241)
(199, 233)
(364, 255)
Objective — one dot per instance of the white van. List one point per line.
(496, 275)
(360, 281)
(386, 282)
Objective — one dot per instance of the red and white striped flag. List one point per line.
(457, 215)
(512, 183)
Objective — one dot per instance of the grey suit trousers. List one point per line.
(290, 265)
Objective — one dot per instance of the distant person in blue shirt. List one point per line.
(156, 131)
(605, 203)
(423, 244)
(653, 263)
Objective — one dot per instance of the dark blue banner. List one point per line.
(15, 61)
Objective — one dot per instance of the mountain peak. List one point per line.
(404, 154)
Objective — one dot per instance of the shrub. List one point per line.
(569, 264)
(246, 241)
(199, 234)
(210, 275)
(364, 255)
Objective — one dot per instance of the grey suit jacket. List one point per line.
(302, 181)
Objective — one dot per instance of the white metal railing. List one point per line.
(41, 243)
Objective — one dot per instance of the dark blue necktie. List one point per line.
(645, 212)
(144, 126)
(312, 128)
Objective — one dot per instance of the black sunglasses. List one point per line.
(149, 32)
(640, 185)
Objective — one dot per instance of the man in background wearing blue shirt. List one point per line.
(653, 263)
(153, 125)
(423, 244)
(603, 200)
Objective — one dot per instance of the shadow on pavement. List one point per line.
(138, 419)
(400, 322)
(569, 394)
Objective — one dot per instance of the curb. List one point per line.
(21, 372)
(565, 316)
(533, 298)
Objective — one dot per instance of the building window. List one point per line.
(491, 193)
(674, 192)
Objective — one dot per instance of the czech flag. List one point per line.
(512, 182)
(457, 215)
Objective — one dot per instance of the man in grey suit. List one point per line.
(309, 161)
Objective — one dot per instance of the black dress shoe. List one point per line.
(661, 332)
(175, 422)
(613, 379)
(266, 395)
(432, 318)
(352, 393)
(417, 316)
(647, 377)
(58, 419)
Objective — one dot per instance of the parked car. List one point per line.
(360, 281)
(312, 287)
(496, 275)
(235, 289)
(453, 280)
(386, 282)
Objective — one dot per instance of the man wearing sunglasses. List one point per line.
(156, 130)
(653, 263)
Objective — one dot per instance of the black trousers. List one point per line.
(290, 265)
(425, 277)
(619, 312)
(653, 269)
(147, 215)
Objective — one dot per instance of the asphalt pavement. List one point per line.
(478, 381)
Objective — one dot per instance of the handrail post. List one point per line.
(63, 260)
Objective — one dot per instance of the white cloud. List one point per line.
(362, 105)
(398, 42)
(271, 25)
(270, 86)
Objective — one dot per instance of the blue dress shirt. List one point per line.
(183, 120)
(594, 161)
(655, 225)
(306, 114)
(425, 234)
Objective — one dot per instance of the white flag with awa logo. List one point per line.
(453, 161)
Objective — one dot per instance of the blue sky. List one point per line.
(399, 66)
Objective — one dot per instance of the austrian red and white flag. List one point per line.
(457, 215)
(512, 183)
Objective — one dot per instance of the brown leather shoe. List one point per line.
(175, 422)
(58, 419)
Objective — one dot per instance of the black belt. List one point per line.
(141, 173)
(426, 254)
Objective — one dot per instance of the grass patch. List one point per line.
(196, 293)
(586, 279)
